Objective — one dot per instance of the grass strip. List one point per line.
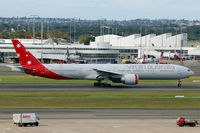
(100, 100)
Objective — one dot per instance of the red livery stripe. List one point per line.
(136, 79)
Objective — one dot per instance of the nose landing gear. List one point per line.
(180, 83)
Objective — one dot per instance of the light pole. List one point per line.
(75, 29)
(70, 32)
(34, 25)
(42, 40)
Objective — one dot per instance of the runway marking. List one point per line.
(179, 96)
(196, 81)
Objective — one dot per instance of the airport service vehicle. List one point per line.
(181, 121)
(25, 119)
(128, 74)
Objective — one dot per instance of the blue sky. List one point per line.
(98, 9)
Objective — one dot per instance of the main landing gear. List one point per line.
(102, 85)
(99, 84)
(180, 82)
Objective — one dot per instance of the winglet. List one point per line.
(25, 57)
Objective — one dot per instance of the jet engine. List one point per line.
(130, 79)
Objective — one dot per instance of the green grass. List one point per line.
(26, 79)
(100, 100)
(5, 70)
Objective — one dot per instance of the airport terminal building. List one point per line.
(105, 49)
(137, 45)
(51, 52)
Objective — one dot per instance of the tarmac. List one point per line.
(105, 113)
(100, 126)
(90, 87)
(101, 121)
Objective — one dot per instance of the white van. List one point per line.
(25, 119)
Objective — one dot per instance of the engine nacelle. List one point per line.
(130, 79)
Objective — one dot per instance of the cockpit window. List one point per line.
(189, 70)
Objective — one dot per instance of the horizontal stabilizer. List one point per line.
(19, 68)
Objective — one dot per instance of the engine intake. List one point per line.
(130, 79)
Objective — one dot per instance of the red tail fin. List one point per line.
(144, 59)
(31, 65)
(25, 57)
(162, 53)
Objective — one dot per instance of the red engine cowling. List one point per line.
(130, 79)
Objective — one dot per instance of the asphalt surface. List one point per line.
(104, 113)
(86, 87)
(99, 126)
(100, 113)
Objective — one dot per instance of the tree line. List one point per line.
(86, 33)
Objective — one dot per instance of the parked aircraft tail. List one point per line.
(143, 62)
(161, 56)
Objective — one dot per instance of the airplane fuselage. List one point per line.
(144, 71)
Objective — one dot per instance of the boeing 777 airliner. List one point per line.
(128, 74)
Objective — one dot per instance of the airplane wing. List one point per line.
(107, 74)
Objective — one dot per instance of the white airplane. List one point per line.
(128, 74)
(153, 59)
(73, 58)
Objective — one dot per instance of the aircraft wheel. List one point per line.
(106, 85)
(97, 85)
(103, 85)
(179, 84)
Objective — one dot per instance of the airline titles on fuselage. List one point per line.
(152, 68)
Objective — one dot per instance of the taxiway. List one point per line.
(90, 87)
